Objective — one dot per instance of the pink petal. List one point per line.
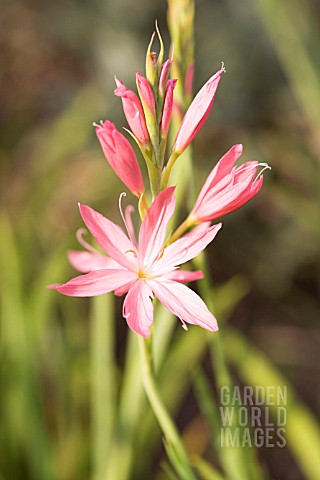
(197, 113)
(220, 171)
(120, 156)
(184, 276)
(228, 200)
(96, 283)
(188, 83)
(133, 112)
(138, 308)
(167, 107)
(86, 261)
(164, 74)
(110, 237)
(153, 229)
(185, 248)
(184, 303)
(146, 93)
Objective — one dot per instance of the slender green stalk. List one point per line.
(163, 417)
(180, 230)
(103, 380)
(167, 171)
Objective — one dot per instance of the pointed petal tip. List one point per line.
(239, 147)
(52, 286)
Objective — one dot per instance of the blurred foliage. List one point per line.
(70, 379)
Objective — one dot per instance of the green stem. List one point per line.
(167, 171)
(181, 229)
(154, 175)
(163, 417)
(103, 380)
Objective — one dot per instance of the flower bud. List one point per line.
(120, 156)
(228, 187)
(197, 113)
(167, 108)
(164, 74)
(146, 94)
(133, 112)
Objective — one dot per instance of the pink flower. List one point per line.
(167, 107)
(120, 156)
(133, 112)
(228, 187)
(90, 259)
(188, 83)
(146, 93)
(164, 74)
(146, 267)
(197, 113)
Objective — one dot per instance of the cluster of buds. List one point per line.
(148, 115)
(148, 265)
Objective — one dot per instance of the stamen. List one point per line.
(127, 213)
(250, 167)
(184, 326)
(223, 68)
(128, 227)
(99, 125)
(265, 167)
(86, 245)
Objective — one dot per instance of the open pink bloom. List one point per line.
(228, 187)
(146, 267)
(167, 107)
(133, 112)
(120, 156)
(91, 259)
(197, 113)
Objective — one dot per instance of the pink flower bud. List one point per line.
(146, 93)
(164, 74)
(167, 107)
(188, 82)
(133, 112)
(197, 113)
(228, 187)
(120, 156)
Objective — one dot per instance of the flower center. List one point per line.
(143, 275)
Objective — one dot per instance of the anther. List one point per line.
(131, 251)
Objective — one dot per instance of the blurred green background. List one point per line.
(58, 60)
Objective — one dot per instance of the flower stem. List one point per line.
(180, 230)
(167, 170)
(170, 432)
